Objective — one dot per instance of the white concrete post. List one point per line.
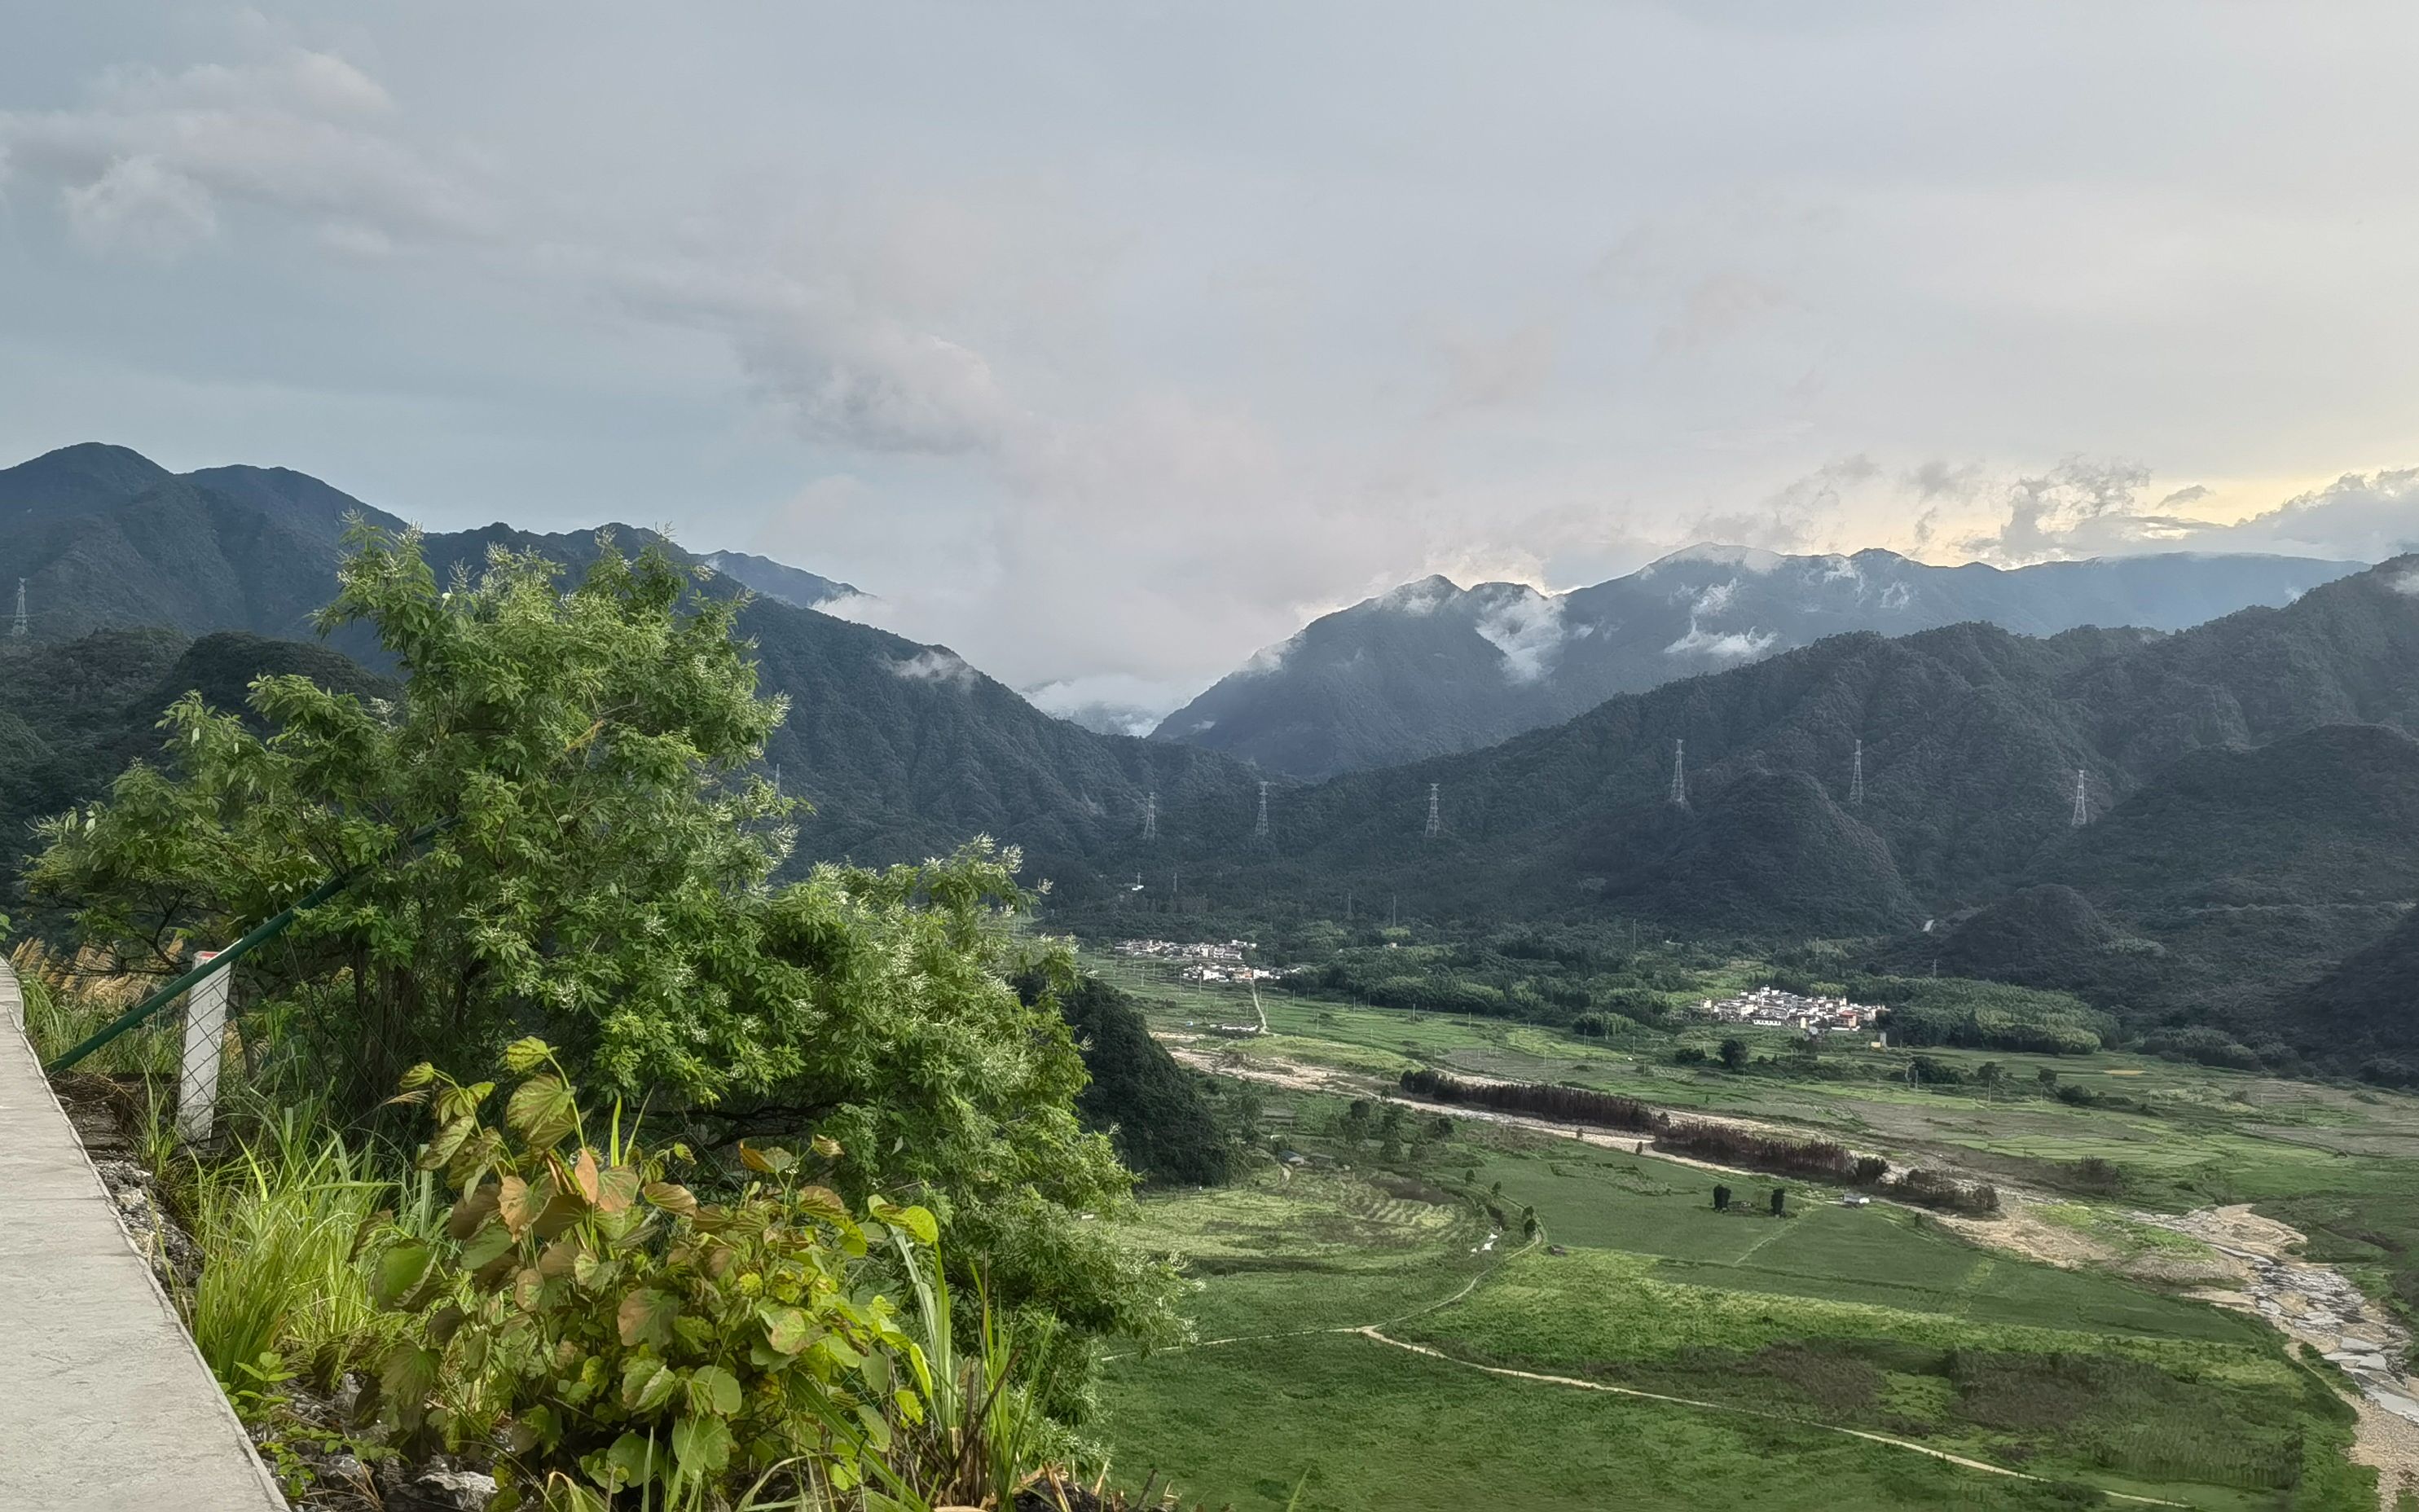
(197, 1086)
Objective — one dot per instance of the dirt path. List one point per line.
(1576, 1384)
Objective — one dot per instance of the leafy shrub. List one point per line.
(614, 1331)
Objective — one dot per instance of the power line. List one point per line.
(1260, 825)
(1679, 774)
(1150, 816)
(2082, 798)
(17, 627)
(1434, 825)
(1857, 777)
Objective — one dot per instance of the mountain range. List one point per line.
(2249, 786)
(1433, 668)
(904, 750)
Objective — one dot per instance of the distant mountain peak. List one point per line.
(1430, 667)
(1716, 554)
(794, 586)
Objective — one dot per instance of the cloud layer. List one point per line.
(1108, 353)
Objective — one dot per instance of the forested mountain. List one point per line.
(73, 715)
(794, 586)
(106, 539)
(904, 750)
(2251, 787)
(1431, 668)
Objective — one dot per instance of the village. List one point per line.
(1200, 961)
(1771, 1008)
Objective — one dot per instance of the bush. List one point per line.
(615, 1333)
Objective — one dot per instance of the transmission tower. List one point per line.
(2082, 799)
(1679, 774)
(1150, 816)
(1857, 777)
(17, 625)
(1260, 825)
(1430, 833)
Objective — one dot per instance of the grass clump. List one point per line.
(285, 1225)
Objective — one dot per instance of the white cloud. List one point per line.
(1113, 703)
(2408, 583)
(147, 163)
(1713, 598)
(1420, 598)
(2364, 516)
(140, 207)
(933, 665)
(1527, 626)
(1271, 658)
(1721, 645)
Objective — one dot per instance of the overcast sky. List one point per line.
(1107, 343)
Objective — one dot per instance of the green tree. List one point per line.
(557, 831)
(1735, 1054)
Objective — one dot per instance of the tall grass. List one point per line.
(67, 998)
(286, 1224)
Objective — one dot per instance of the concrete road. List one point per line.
(104, 1405)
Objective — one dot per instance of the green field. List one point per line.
(2340, 1163)
(1784, 1330)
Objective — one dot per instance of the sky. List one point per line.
(1107, 344)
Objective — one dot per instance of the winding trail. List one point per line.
(1577, 1383)
(1375, 1333)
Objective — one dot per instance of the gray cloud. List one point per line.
(1113, 353)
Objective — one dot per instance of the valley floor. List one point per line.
(1825, 1359)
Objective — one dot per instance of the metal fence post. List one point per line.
(197, 1081)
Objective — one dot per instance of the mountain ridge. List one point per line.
(1429, 667)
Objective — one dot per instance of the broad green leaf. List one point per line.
(712, 1389)
(786, 1329)
(398, 1271)
(671, 1196)
(543, 1111)
(526, 1055)
(700, 1445)
(645, 1317)
(647, 1383)
(485, 1247)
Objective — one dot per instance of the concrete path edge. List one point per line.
(105, 1403)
